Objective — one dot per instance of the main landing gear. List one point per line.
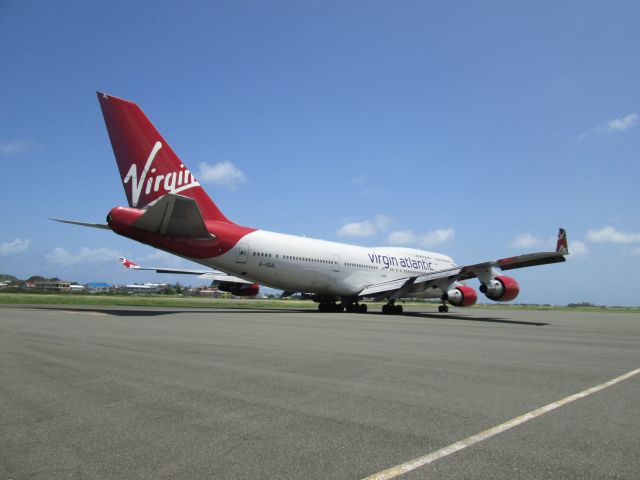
(444, 308)
(391, 308)
(331, 306)
(356, 308)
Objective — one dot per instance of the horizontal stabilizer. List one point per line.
(104, 226)
(175, 216)
(213, 275)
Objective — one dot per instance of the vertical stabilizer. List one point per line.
(149, 168)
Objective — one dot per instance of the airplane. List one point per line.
(223, 282)
(168, 209)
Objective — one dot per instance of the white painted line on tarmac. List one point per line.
(406, 467)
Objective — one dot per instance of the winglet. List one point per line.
(127, 263)
(562, 246)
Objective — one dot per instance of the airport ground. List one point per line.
(9, 298)
(162, 392)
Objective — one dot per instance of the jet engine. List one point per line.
(238, 289)
(501, 289)
(461, 296)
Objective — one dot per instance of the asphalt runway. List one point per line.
(144, 393)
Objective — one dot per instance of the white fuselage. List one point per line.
(301, 264)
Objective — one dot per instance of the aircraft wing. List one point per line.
(445, 278)
(519, 261)
(213, 275)
(398, 288)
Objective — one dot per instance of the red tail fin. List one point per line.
(149, 168)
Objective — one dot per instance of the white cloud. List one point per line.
(160, 256)
(18, 146)
(368, 228)
(382, 222)
(577, 248)
(437, 237)
(525, 240)
(222, 173)
(622, 123)
(165, 259)
(359, 229)
(16, 246)
(613, 125)
(610, 234)
(86, 256)
(401, 237)
(429, 239)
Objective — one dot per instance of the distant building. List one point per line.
(76, 288)
(145, 288)
(58, 286)
(209, 292)
(98, 287)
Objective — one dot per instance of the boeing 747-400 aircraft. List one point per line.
(169, 210)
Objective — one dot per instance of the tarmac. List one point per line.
(154, 393)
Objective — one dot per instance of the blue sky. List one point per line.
(472, 128)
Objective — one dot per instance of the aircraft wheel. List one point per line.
(391, 309)
(363, 308)
(441, 308)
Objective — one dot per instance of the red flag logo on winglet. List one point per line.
(562, 246)
(127, 263)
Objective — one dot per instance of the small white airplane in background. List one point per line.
(169, 210)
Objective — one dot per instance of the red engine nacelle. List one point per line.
(501, 289)
(239, 289)
(461, 296)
